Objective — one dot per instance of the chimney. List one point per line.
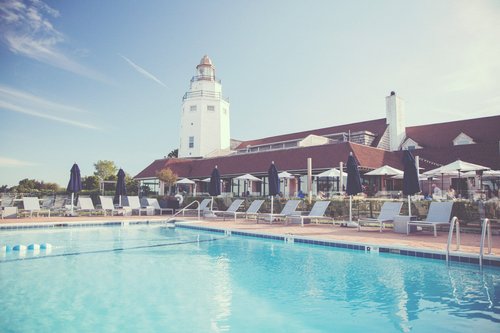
(395, 119)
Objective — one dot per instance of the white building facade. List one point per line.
(205, 127)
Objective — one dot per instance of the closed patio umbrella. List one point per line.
(74, 184)
(214, 186)
(121, 188)
(274, 184)
(353, 184)
(411, 184)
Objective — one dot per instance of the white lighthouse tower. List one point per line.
(205, 115)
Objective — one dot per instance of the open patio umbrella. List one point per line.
(74, 184)
(285, 175)
(247, 178)
(274, 184)
(329, 173)
(411, 184)
(384, 171)
(214, 186)
(121, 188)
(353, 184)
(458, 166)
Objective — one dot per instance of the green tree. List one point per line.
(168, 177)
(105, 169)
(173, 153)
(131, 184)
(31, 185)
(90, 183)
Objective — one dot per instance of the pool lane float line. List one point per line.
(31, 247)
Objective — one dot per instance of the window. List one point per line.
(210, 108)
(463, 139)
(225, 111)
(192, 108)
(191, 142)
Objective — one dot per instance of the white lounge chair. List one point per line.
(231, 210)
(32, 205)
(439, 214)
(202, 207)
(317, 213)
(253, 210)
(107, 205)
(289, 209)
(387, 213)
(153, 202)
(134, 204)
(85, 205)
(7, 206)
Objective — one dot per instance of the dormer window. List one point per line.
(410, 144)
(463, 139)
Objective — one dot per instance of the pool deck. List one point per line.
(368, 236)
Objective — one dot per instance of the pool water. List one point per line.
(158, 279)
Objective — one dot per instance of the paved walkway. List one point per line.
(420, 240)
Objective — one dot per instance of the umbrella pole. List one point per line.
(72, 201)
(350, 209)
(272, 201)
(409, 206)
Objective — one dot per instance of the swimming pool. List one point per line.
(153, 278)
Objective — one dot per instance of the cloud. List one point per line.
(143, 71)
(28, 31)
(23, 97)
(12, 162)
(25, 103)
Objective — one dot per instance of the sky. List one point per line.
(82, 81)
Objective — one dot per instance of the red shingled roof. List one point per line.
(481, 130)
(295, 159)
(486, 154)
(377, 127)
(437, 140)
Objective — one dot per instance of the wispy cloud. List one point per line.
(24, 97)
(12, 162)
(143, 71)
(28, 31)
(22, 102)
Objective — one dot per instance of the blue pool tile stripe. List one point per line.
(381, 249)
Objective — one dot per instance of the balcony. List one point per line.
(203, 93)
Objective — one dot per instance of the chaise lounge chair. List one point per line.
(32, 205)
(439, 214)
(107, 205)
(134, 204)
(289, 209)
(7, 207)
(253, 210)
(317, 213)
(85, 205)
(231, 210)
(202, 207)
(153, 202)
(387, 213)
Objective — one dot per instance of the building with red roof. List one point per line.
(374, 143)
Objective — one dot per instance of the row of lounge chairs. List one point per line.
(33, 206)
(439, 214)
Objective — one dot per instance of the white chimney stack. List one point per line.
(395, 119)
